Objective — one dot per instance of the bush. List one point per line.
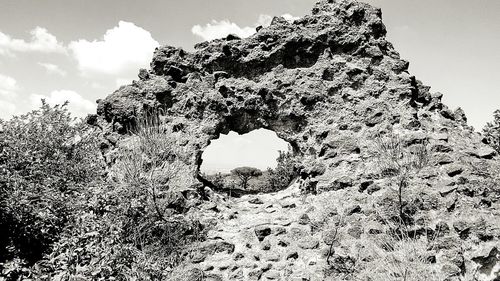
(491, 131)
(280, 177)
(400, 162)
(46, 158)
(127, 231)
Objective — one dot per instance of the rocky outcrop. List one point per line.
(327, 83)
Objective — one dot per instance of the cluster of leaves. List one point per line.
(46, 160)
(491, 131)
(280, 177)
(123, 229)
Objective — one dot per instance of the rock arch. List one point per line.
(325, 83)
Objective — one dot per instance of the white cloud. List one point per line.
(122, 81)
(122, 48)
(78, 106)
(220, 29)
(52, 68)
(265, 20)
(8, 86)
(41, 41)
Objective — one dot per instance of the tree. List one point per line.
(397, 160)
(491, 131)
(245, 174)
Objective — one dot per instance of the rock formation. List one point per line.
(328, 83)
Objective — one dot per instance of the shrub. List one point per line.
(46, 158)
(280, 177)
(127, 230)
(145, 168)
(400, 162)
(491, 131)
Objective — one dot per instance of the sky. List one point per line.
(83, 50)
(258, 149)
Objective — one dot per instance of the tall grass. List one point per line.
(147, 162)
(399, 256)
(146, 165)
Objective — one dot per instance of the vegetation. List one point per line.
(60, 218)
(491, 131)
(245, 174)
(270, 180)
(280, 177)
(47, 159)
(397, 160)
(400, 257)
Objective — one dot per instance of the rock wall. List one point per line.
(327, 83)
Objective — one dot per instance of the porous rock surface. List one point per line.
(327, 83)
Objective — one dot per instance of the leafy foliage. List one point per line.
(280, 177)
(491, 131)
(46, 158)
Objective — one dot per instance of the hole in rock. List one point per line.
(258, 161)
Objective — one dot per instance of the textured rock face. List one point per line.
(328, 83)
(325, 79)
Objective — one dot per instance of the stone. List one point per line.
(262, 231)
(266, 245)
(355, 231)
(373, 188)
(304, 219)
(273, 275)
(255, 274)
(308, 243)
(340, 183)
(443, 159)
(287, 204)
(462, 227)
(484, 152)
(210, 248)
(292, 255)
(274, 257)
(450, 270)
(454, 170)
(279, 230)
(353, 209)
(238, 256)
(256, 201)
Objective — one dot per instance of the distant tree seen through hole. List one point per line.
(258, 161)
